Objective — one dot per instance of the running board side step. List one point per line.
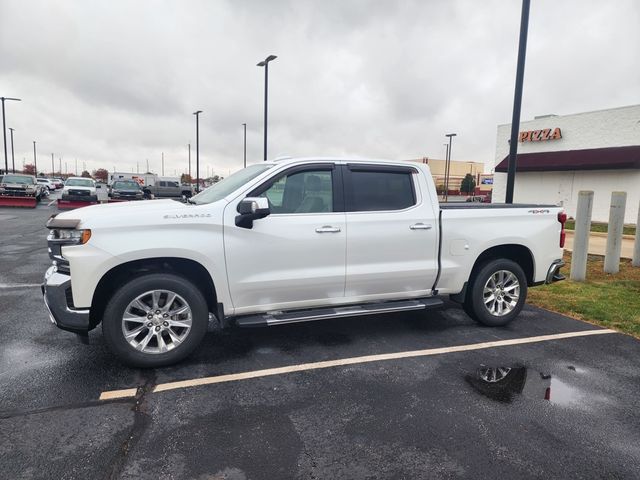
(280, 318)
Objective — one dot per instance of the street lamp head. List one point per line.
(263, 63)
(11, 98)
(198, 112)
(451, 135)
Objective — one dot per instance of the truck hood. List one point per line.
(142, 213)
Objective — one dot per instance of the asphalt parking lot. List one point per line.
(568, 407)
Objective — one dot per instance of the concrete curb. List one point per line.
(603, 234)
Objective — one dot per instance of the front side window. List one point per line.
(308, 191)
(380, 191)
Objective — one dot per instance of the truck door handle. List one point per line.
(420, 226)
(327, 229)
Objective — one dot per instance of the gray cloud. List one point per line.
(115, 83)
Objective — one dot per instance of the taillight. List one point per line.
(562, 218)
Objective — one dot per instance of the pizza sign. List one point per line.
(540, 135)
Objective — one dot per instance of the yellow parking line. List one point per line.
(113, 394)
(163, 387)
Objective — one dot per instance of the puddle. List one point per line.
(507, 383)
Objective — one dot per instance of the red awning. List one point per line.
(611, 158)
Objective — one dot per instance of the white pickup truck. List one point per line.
(291, 241)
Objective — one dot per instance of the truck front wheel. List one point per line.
(497, 293)
(155, 320)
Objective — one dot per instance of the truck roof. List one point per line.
(288, 160)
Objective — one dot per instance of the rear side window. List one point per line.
(371, 190)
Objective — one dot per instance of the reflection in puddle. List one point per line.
(504, 383)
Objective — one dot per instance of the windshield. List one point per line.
(22, 179)
(79, 182)
(228, 185)
(126, 186)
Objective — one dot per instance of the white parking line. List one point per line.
(163, 387)
(19, 285)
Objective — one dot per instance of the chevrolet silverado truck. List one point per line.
(291, 241)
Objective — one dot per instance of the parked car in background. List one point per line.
(167, 188)
(154, 185)
(46, 182)
(19, 185)
(292, 241)
(126, 190)
(479, 199)
(58, 183)
(79, 189)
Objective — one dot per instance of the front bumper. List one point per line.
(56, 291)
(554, 275)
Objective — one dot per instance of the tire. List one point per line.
(160, 348)
(505, 307)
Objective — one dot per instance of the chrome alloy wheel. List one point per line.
(501, 293)
(156, 321)
(493, 375)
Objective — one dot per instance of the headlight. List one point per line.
(67, 236)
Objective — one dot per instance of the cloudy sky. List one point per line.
(113, 83)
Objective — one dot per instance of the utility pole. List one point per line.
(245, 144)
(147, 165)
(4, 132)
(163, 164)
(76, 167)
(189, 145)
(60, 165)
(13, 159)
(35, 161)
(517, 102)
(53, 168)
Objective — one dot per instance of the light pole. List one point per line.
(446, 156)
(265, 64)
(245, 144)
(35, 162)
(53, 168)
(190, 181)
(448, 167)
(517, 102)
(163, 164)
(13, 160)
(197, 114)
(4, 132)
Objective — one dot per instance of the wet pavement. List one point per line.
(555, 409)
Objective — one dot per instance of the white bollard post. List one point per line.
(614, 235)
(581, 236)
(636, 246)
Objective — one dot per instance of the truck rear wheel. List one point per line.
(497, 293)
(155, 320)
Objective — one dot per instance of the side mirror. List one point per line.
(250, 209)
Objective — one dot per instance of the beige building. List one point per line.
(457, 171)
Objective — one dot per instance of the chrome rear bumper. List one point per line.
(554, 275)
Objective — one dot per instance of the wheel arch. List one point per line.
(185, 267)
(512, 251)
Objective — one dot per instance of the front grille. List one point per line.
(79, 192)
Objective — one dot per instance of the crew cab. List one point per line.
(291, 241)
